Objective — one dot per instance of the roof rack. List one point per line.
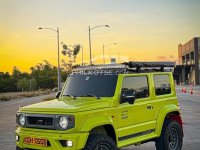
(150, 66)
(131, 66)
(110, 67)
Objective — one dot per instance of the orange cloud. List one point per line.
(166, 58)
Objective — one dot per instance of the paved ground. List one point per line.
(195, 89)
(190, 105)
(8, 122)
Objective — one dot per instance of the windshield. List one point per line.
(90, 85)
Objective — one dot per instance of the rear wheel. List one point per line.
(171, 137)
(100, 142)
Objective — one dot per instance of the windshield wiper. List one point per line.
(90, 95)
(74, 97)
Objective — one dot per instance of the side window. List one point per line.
(162, 84)
(138, 84)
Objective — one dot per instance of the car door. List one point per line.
(136, 119)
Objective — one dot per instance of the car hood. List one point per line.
(67, 105)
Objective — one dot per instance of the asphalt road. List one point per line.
(8, 110)
(190, 107)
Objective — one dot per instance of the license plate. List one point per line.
(35, 141)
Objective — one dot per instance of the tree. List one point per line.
(23, 84)
(7, 83)
(64, 75)
(72, 54)
(76, 50)
(45, 75)
(16, 72)
(33, 84)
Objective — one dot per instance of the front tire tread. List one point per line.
(97, 139)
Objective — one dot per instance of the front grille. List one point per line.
(40, 121)
(45, 121)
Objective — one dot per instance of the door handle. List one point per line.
(149, 107)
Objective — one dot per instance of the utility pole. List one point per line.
(57, 31)
(90, 47)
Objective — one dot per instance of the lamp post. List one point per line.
(90, 47)
(104, 49)
(57, 31)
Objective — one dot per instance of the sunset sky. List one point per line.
(144, 30)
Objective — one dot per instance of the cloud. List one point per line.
(166, 58)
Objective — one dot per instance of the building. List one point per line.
(188, 67)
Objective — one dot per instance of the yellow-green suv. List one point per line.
(106, 107)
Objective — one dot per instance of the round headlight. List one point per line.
(22, 119)
(63, 122)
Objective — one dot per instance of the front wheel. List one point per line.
(100, 142)
(171, 137)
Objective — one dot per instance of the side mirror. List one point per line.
(128, 96)
(58, 94)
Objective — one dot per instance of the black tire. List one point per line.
(171, 137)
(100, 142)
(17, 148)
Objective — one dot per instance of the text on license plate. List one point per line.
(35, 141)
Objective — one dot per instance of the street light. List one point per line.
(57, 31)
(90, 29)
(104, 48)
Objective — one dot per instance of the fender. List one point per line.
(93, 122)
(162, 114)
